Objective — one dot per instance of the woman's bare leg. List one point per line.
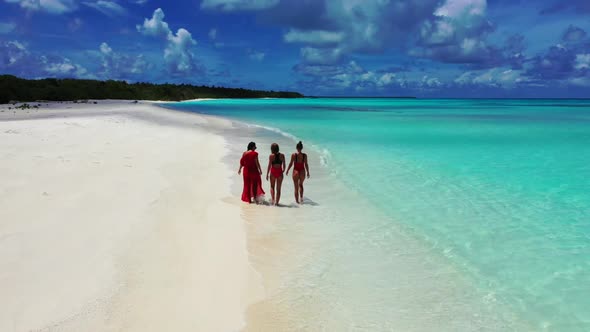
(272, 189)
(301, 179)
(296, 185)
(254, 192)
(278, 192)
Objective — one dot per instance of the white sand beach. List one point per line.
(114, 217)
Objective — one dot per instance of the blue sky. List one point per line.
(425, 48)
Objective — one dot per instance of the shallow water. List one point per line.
(493, 194)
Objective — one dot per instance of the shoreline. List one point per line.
(148, 258)
(281, 285)
(282, 242)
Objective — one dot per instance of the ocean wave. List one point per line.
(324, 154)
(275, 130)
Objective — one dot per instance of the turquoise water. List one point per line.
(501, 188)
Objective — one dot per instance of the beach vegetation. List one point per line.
(13, 88)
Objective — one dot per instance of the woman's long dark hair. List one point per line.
(274, 148)
(251, 146)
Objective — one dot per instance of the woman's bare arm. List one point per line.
(241, 164)
(284, 164)
(306, 165)
(290, 165)
(268, 168)
(258, 165)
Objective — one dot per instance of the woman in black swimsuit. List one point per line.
(276, 165)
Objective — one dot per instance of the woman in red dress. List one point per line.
(276, 166)
(299, 161)
(252, 172)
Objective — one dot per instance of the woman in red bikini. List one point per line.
(299, 159)
(276, 165)
(252, 172)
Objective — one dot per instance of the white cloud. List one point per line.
(582, 61)
(471, 46)
(12, 53)
(430, 82)
(353, 76)
(178, 54)
(7, 27)
(235, 5)
(455, 18)
(495, 77)
(332, 30)
(16, 59)
(457, 33)
(439, 32)
(364, 80)
(140, 65)
(50, 6)
(105, 49)
(580, 81)
(461, 8)
(486, 78)
(213, 34)
(115, 65)
(364, 22)
(510, 77)
(313, 37)
(386, 79)
(465, 78)
(370, 27)
(155, 26)
(343, 80)
(312, 55)
(108, 8)
(63, 68)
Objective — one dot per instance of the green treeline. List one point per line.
(17, 89)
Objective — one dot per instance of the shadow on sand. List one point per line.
(306, 201)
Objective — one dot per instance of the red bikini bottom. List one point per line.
(277, 172)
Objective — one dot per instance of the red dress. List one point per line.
(252, 179)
